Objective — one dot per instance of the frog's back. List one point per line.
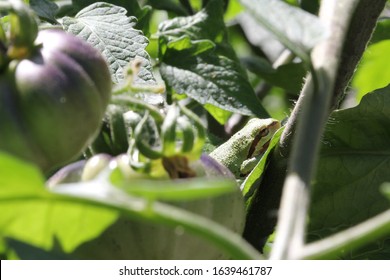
(227, 155)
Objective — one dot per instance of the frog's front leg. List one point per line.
(248, 165)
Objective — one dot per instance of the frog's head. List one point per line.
(263, 130)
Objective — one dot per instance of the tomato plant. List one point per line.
(233, 129)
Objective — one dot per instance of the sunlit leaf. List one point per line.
(198, 61)
(108, 29)
(33, 215)
(297, 29)
(373, 71)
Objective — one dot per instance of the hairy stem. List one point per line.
(261, 218)
(359, 33)
(336, 16)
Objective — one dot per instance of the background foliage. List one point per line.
(227, 61)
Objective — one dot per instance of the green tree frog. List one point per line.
(244, 149)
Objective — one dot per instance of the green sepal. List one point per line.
(137, 105)
(168, 131)
(200, 138)
(144, 148)
(188, 134)
(3, 36)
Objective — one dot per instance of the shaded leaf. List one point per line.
(45, 9)
(382, 31)
(168, 5)
(211, 80)
(108, 29)
(312, 6)
(287, 76)
(355, 161)
(26, 251)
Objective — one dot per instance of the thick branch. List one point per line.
(360, 30)
(261, 217)
(315, 102)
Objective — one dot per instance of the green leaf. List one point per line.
(10, 170)
(108, 29)
(3, 249)
(29, 213)
(51, 224)
(196, 220)
(297, 29)
(168, 5)
(373, 71)
(233, 9)
(198, 61)
(45, 9)
(355, 160)
(213, 80)
(259, 36)
(26, 251)
(193, 48)
(132, 7)
(385, 189)
(312, 6)
(287, 76)
(220, 115)
(206, 24)
(382, 31)
(248, 187)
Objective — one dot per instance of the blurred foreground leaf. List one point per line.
(33, 215)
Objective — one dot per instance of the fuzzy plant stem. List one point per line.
(291, 226)
(262, 219)
(360, 30)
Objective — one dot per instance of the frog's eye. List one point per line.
(254, 149)
(264, 132)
